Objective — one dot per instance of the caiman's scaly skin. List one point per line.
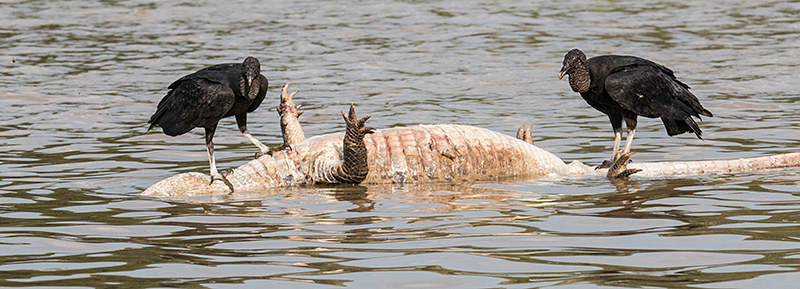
(426, 153)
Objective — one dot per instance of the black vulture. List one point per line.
(202, 98)
(625, 87)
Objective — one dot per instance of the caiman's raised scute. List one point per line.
(424, 153)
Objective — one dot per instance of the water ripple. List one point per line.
(79, 79)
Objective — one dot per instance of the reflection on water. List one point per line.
(79, 80)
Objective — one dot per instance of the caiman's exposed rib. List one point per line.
(425, 153)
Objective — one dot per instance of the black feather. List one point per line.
(625, 87)
(202, 98)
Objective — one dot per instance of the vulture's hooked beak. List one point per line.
(562, 72)
(250, 75)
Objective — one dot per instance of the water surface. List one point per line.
(79, 79)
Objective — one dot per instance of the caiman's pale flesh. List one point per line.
(425, 153)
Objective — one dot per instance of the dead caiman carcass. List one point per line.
(423, 153)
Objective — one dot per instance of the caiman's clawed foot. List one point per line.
(287, 103)
(619, 169)
(355, 125)
(524, 133)
(290, 112)
(355, 166)
(223, 179)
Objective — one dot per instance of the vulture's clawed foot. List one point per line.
(606, 164)
(223, 179)
(355, 125)
(619, 168)
(273, 150)
(524, 133)
(263, 153)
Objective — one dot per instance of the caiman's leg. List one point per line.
(212, 163)
(619, 169)
(290, 112)
(354, 167)
(524, 133)
(290, 125)
(241, 121)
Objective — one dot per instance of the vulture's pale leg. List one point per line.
(629, 141)
(617, 141)
(241, 121)
(263, 148)
(212, 163)
(609, 162)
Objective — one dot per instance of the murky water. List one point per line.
(79, 79)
